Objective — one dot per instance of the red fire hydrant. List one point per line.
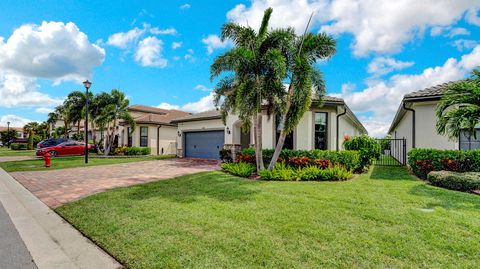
(48, 159)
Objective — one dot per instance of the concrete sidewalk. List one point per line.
(52, 242)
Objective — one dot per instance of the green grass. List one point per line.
(70, 162)
(4, 151)
(384, 219)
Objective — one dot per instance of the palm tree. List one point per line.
(96, 105)
(305, 51)
(253, 71)
(51, 120)
(112, 113)
(459, 108)
(62, 113)
(75, 105)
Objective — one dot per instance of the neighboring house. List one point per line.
(202, 135)
(415, 121)
(154, 129)
(20, 132)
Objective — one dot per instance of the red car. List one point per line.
(65, 148)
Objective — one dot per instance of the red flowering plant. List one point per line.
(346, 137)
(299, 161)
(324, 164)
(452, 165)
(246, 158)
(425, 167)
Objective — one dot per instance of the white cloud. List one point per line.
(462, 44)
(377, 25)
(149, 53)
(202, 88)
(448, 31)
(176, 45)
(44, 110)
(189, 56)
(168, 106)
(168, 31)
(123, 40)
(381, 97)
(204, 104)
(214, 42)
(185, 6)
(382, 65)
(15, 121)
(52, 50)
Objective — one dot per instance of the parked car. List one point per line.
(18, 141)
(51, 142)
(65, 148)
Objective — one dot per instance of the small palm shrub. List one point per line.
(18, 146)
(283, 172)
(240, 169)
(120, 150)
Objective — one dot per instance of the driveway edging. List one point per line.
(52, 242)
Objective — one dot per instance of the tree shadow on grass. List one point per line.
(447, 199)
(187, 189)
(391, 173)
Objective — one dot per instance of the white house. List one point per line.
(415, 121)
(202, 135)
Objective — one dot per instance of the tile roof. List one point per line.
(154, 115)
(434, 91)
(211, 114)
(5, 128)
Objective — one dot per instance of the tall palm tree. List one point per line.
(112, 113)
(252, 76)
(52, 118)
(303, 75)
(62, 113)
(459, 107)
(75, 105)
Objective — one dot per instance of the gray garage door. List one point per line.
(204, 144)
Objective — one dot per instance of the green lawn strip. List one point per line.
(382, 219)
(71, 162)
(4, 151)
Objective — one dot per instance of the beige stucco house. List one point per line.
(202, 135)
(154, 129)
(415, 121)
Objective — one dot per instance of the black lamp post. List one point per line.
(87, 85)
(8, 133)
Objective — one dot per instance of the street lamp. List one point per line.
(8, 133)
(87, 85)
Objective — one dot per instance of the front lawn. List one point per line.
(383, 219)
(70, 162)
(4, 151)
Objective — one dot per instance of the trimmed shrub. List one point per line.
(301, 158)
(368, 147)
(240, 169)
(455, 181)
(137, 151)
(18, 146)
(423, 161)
(120, 150)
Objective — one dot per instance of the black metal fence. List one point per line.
(393, 152)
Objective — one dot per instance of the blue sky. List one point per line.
(159, 53)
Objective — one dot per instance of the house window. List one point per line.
(288, 144)
(469, 142)
(143, 136)
(129, 136)
(320, 130)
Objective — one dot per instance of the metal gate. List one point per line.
(393, 152)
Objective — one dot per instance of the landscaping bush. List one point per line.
(283, 172)
(468, 181)
(120, 150)
(368, 147)
(240, 169)
(301, 158)
(137, 151)
(423, 161)
(18, 146)
(225, 155)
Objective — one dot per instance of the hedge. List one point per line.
(301, 158)
(468, 181)
(368, 147)
(423, 161)
(18, 146)
(137, 151)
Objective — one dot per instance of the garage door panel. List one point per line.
(204, 144)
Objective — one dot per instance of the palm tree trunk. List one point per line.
(78, 127)
(65, 131)
(258, 142)
(283, 134)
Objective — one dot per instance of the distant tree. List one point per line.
(459, 107)
(5, 136)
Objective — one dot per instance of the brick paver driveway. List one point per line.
(56, 187)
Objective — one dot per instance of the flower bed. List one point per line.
(423, 161)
